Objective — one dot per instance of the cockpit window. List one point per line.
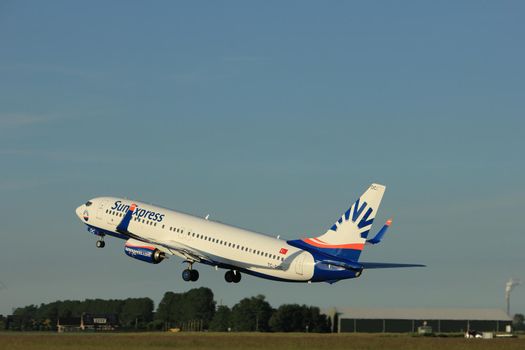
(88, 203)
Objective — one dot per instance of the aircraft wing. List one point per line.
(358, 266)
(123, 228)
(378, 265)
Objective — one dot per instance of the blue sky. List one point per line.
(273, 116)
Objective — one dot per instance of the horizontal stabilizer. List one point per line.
(380, 234)
(376, 265)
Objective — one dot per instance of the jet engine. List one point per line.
(143, 251)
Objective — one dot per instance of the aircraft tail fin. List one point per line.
(347, 236)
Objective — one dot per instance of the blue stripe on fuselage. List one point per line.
(101, 232)
(344, 253)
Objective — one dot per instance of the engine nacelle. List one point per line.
(143, 251)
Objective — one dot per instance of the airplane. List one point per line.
(154, 233)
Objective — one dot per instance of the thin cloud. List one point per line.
(245, 59)
(17, 185)
(71, 156)
(51, 69)
(14, 120)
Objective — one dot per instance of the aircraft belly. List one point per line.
(288, 271)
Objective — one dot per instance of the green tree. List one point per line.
(27, 317)
(176, 308)
(251, 314)
(136, 312)
(221, 322)
(164, 309)
(198, 304)
(518, 322)
(288, 318)
(299, 318)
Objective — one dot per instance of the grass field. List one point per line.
(220, 341)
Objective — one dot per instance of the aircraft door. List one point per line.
(100, 209)
(299, 264)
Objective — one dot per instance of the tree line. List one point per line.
(194, 310)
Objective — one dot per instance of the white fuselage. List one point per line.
(202, 240)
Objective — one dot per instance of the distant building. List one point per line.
(88, 322)
(408, 320)
(68, 324)
(91, 322)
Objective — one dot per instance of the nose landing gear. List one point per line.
(101, 243)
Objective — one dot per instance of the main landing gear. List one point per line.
(232, 276)
(190, 275)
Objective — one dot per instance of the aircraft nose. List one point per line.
(79, 211)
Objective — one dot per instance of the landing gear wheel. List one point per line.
(194, 275)
(186, 275)
(101, 244)
(236, 277)
(229, 276)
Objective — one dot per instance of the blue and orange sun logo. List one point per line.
(86, 215)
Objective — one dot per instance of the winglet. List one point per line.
(380, 234)
(123, 226)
